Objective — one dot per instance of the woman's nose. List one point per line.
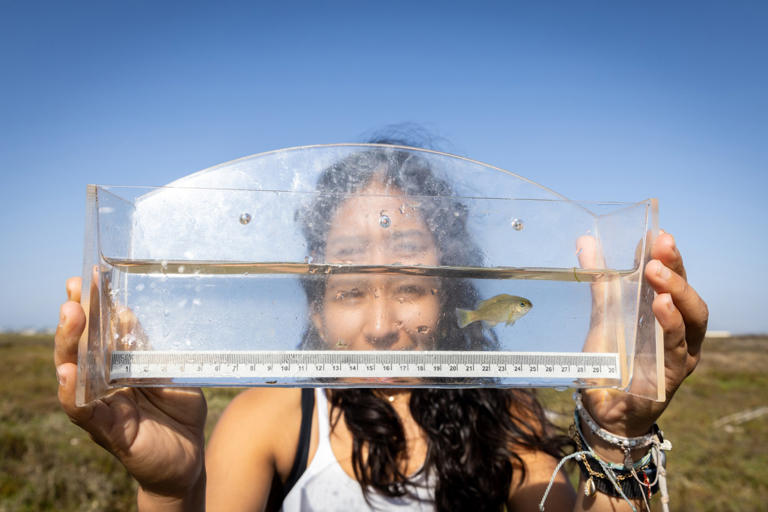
(381, 328)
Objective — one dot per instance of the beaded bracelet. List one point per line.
(623, 478)
(625, 443)
(653, 475)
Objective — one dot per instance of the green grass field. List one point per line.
(46, 463)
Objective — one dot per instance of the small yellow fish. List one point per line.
(501, 308)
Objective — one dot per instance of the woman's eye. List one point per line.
(409, 248)
(411, 291)
(353, 293)
(347, 252)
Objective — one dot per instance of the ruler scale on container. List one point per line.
(139, 365)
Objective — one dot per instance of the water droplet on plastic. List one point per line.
(385, 221)
(422, 329)
(180, 270)
(196, 302)
(166, 312)
(245, 218)
(517, 224)
(139, 287)
(188, 343)
(308, 259)
(402, 209)
(164, 265)
(434, 291)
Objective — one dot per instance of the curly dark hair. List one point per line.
(472, 433)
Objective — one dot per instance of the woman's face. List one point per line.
(376, 311)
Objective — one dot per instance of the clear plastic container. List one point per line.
(365, 265)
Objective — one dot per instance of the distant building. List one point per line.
(718, 334)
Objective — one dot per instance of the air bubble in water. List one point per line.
(129, 340)
(385, 221)
(517, 224)
(245, 218)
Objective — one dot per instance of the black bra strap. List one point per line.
(305, 433)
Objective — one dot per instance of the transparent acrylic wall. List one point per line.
(350, 265)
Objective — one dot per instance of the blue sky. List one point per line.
(597, 100)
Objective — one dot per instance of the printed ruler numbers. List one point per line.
(126, 365)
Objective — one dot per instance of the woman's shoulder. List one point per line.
(256, 401)
(260, 424)
(266, 411)
(254, 440)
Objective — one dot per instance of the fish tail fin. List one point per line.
(464, 317)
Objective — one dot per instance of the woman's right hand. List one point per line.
(157, 433)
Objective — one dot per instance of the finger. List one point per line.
(692, 308)
(96, 417)
(670, 319)
(588, 252)
(603, 298)
(71, 325)
(73, 287)
(589, 255)
(665, 250)
(66, 374)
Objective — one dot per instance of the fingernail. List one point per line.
(661, 271)
(670, 304)
(61, 377)
(62, 318)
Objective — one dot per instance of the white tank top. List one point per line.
(324, 486)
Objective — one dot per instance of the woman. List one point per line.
(414, 449)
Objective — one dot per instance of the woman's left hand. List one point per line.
(683, 316)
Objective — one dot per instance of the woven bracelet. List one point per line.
(625, 478)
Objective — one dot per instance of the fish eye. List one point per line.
(522, 304)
